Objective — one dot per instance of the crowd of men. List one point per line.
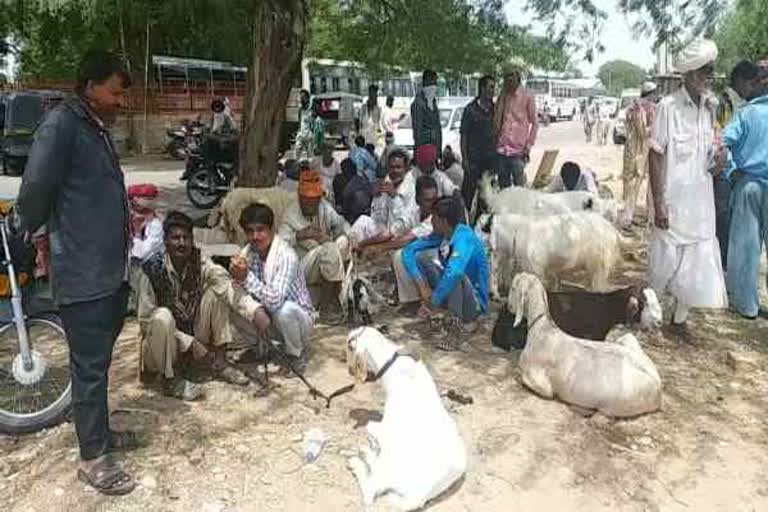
(415, 210)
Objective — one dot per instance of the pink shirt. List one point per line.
(518, 130)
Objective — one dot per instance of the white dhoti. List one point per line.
(325, 263)
(364, 228)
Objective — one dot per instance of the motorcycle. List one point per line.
(35, 386)
(210, 172)
(183, 140)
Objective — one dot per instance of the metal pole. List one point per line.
(146, 96)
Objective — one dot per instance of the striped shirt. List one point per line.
(287, 283)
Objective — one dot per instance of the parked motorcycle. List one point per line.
(35, 386)
(183, 140)
(210, 172)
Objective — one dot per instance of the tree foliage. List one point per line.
(620, 74)
(743, 33)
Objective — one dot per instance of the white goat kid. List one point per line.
(617, 379)
(416, 452)
(552, 245)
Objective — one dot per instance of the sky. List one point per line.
(617, 37)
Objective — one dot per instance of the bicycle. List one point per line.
(35, 386)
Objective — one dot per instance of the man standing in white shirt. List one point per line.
(684, 256)
(369, 123)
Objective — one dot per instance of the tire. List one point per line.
(197, 183)
(19, 423)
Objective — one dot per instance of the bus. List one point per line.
(560, 98)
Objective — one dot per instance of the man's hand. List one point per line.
(261, 320)
(198, 350)
(384, 187)
(426, 293)
(661, 216)
(238, 268)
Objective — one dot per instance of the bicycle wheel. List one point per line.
(39, 397)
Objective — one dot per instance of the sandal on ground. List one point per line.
(124, 441)
(107, 477)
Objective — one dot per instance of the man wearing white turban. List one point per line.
(684, 256)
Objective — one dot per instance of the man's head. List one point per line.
(446, 215)
(218, 106)
(425, 157)
(310, 192)
(258, 221)
(328, 154)
(103, 81)
(426, 195)
(570, 172)
(397, 166)
(304, 99)
(177, 236)
(512, 80)
(389, 138)
(429, 77)
(449, 158)
(390, 101)
(696, 62)
(648, 90)
(745, 79)
(486, 88)
(373, 92)
(360, 141)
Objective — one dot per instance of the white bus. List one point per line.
(558, 97)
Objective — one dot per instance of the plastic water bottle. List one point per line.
(314, 440)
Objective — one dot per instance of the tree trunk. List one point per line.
(279, 31)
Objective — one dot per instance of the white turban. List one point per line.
(696, 55)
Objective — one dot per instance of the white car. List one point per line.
(451, 110)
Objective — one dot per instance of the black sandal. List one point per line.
(125, 441)
(107, 477)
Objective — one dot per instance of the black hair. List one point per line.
(451, 209)
(744, 70)
(423, 183)
(257, 213)
(398, 153)
(390, 100)
(304, 92)
(483, 82)
(570, 172)
(360, 141)
(373, 87)
(98, 66)
(176, 219)
(430, 76)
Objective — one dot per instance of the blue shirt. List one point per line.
(746, 137)
(466, 256)
(365, 163)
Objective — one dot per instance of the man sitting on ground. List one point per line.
(573, 177)
(457, 277)
(393, 210)
(269, 270)
(426, 165)
(319, 236)
(184, 307)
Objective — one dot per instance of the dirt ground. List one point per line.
(706, 450)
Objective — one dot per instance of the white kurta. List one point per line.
(685, 259)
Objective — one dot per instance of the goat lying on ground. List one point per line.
(616, 379)
(588, 315)
(415, 452)
(549, 246)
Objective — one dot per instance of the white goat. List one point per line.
(415, 452)
(551, 245)
(617, 379)
(525, 201)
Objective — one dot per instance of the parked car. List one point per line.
(20, 115)
(619, 126)
(451, 110)
(340, 110)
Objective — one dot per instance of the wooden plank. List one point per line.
(544, 173)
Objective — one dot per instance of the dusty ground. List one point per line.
(705, 451)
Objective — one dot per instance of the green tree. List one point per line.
(743, 34)
(617, 75)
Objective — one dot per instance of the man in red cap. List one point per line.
(426, 165)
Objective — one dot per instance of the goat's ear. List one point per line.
(519, 303)
(633, 308)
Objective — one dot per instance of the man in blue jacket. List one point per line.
(745, 136)
(74, 184)
(457, 279)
